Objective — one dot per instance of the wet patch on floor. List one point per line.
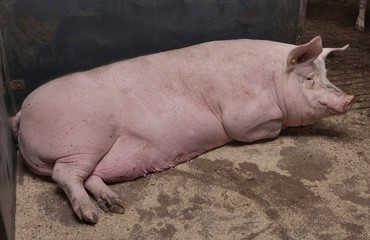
(56, 207)
(355, 189)
(306, 164)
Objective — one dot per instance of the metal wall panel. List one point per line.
(7, 167)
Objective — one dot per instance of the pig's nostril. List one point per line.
(352, 99)
(349, 102)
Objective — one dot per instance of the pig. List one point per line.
(360, 23)
(124, 120)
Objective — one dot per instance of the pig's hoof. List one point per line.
(113, 204)
(106, 198)
(360, 28)
(86, 213)
(90, 217)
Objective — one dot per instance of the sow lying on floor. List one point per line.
(125, 120)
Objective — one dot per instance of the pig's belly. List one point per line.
(131, 157)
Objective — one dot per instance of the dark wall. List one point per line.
(48, 38)
(7, 168)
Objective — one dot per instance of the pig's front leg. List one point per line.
(251, 123)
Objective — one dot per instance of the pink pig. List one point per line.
(124, 120)
(360, 23)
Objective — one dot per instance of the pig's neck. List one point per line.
(286, 96)
(291, 105)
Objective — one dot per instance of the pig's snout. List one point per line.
(343, 105)
(338, 105)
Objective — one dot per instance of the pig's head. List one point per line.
(307, 94)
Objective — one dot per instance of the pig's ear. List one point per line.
(327, 51)
(304, 55)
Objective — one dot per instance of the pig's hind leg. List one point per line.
(105, 197)
(70, 172)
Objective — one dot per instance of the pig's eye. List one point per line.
(309, 81)
(309, 78)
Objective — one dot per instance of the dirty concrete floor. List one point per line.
(310, 183)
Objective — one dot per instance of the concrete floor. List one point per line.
(310, 183)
